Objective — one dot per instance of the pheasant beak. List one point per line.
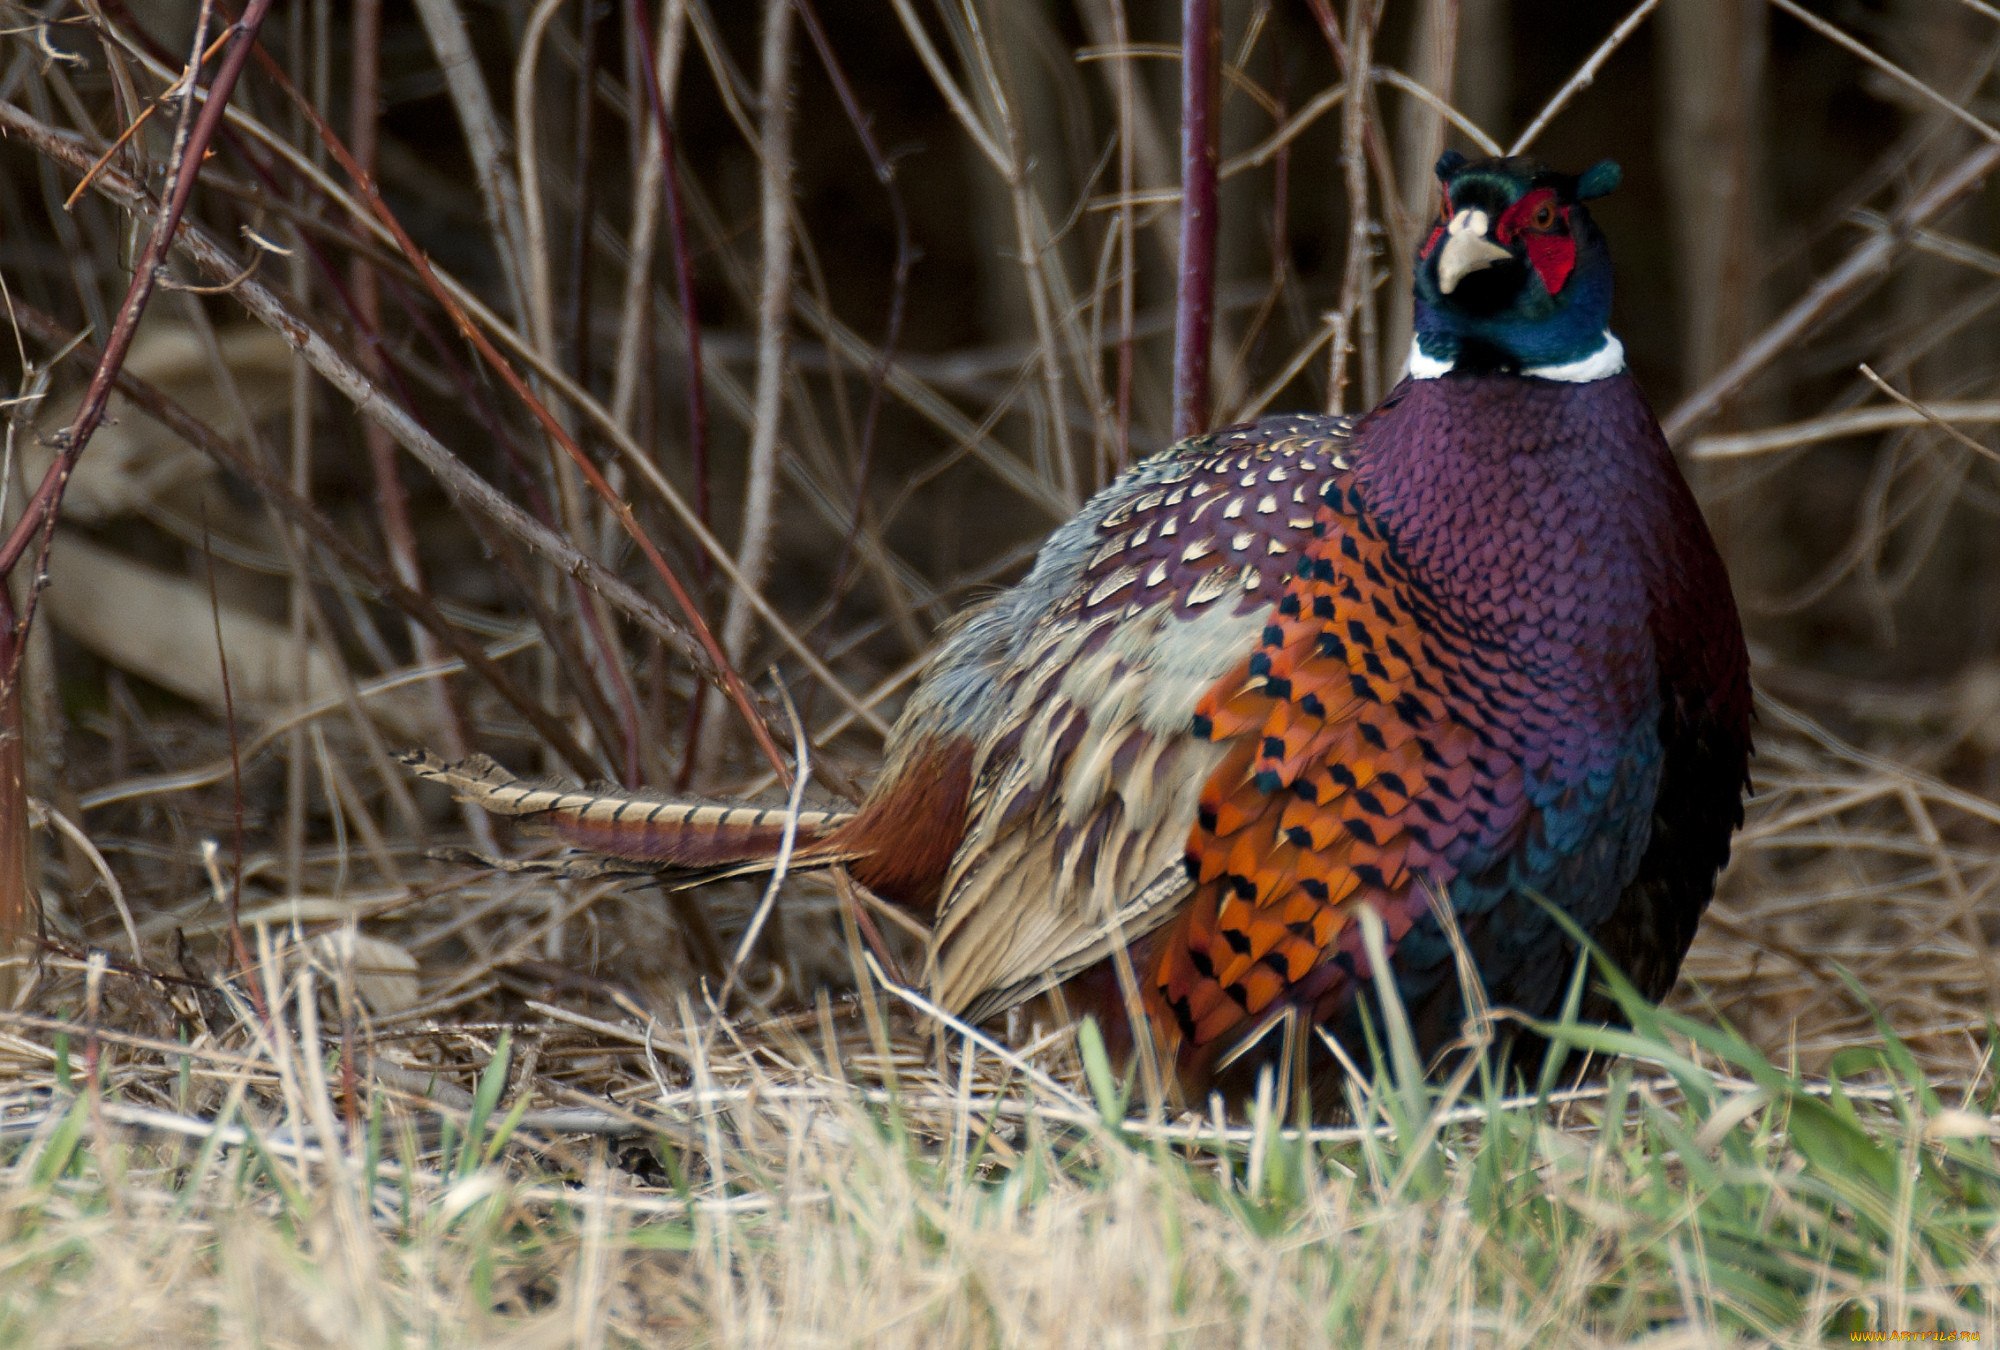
(1466, 249)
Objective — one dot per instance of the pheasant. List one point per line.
(1463, 659)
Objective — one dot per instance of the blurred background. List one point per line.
(853, 302)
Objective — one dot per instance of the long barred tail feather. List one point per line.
(670, 832)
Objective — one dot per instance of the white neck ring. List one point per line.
(1606, 361)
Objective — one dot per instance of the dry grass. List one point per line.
(584, 1180)
(276, 1076)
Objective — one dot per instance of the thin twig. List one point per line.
(620, 509)
(168, 95)
(233, 908)
(1420, 135)
(184, 167)
(635, 330)
(1357, 53)
(392, 503)
(774, 306)
(1583, 77)
(1042, 277)
(36, 526)
(1470, 129)
(592, 18)
(682, 257)
(1947, 106)
(1931, 416)
(484, 141)
(899, 288)
(1842, 425)
(1855, 276)
(787, 841)
(1128, 264)
(465, 486)
(538, 257)
(272, 488)
(607, 666)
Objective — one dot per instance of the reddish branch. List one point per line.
(465, 487)
(182, 170)
(36, 526)
(392, 503)
(732, 684)
(1194, 310)
(271, 487)
(584, 674)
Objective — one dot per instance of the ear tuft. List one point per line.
(1598, 180)
(1449, 163)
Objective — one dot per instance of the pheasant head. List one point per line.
(1514, 276)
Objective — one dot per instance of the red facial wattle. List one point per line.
(1552, 255)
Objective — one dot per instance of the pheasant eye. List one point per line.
(1544, 217)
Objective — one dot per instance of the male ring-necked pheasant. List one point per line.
(1473, 648)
